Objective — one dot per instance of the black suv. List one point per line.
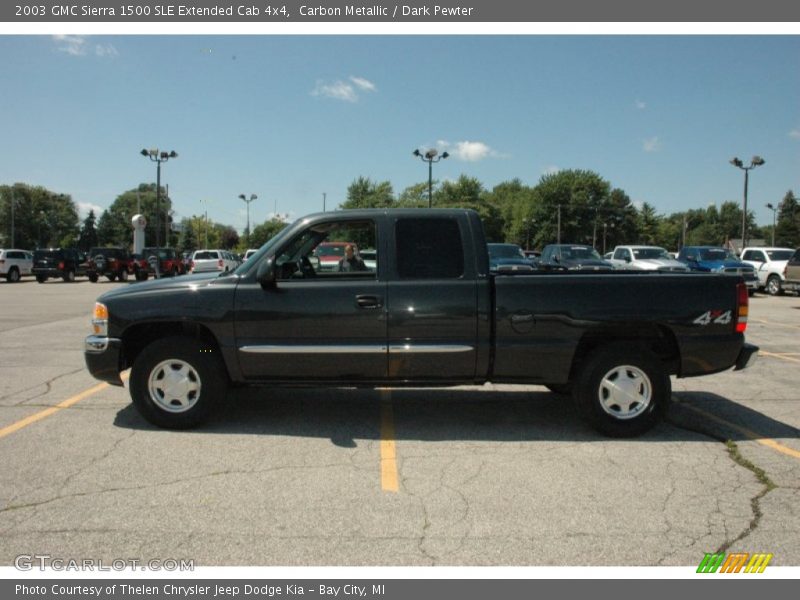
(66, 263)
(111, 262)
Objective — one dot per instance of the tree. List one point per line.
(228, 237)
(648, 224)
(262, 233)
(114, 225)
(787, 228)
(42, 218)
(578, 197)
(187, 241)
(468, 192)
(364, 193)
(414, 196)
(88, 237)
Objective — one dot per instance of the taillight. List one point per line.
(61, 266)
(220, 264)
(742, 307)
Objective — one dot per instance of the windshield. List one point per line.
(650, 253)
(328, 250)
(716, 254)
(255, 258)
(580, 253)
(505, 251)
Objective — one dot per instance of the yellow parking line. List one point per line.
(389, 478)
(783, 356)
(756, 437)
(8, 430)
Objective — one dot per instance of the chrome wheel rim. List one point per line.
(174, 386)
(773, 286)
(625, 392)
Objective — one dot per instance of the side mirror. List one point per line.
(556, 258)
(266, 273)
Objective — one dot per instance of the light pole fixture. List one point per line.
(158, 157)
(430, 157)
(756, 161)
(774, 210)
(248, 201)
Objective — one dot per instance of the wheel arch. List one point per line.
(656, 338)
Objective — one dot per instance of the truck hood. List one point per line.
(654, 264)
(163, 285)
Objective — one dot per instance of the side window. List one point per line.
(330, 250)
(619, 254)
(429, 249)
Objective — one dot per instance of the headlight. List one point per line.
(100, 319)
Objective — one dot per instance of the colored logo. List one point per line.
(734, 563)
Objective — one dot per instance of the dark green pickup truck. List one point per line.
(428, 313)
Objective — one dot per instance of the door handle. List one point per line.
(365, 301)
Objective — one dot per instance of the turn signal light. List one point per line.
(100, 319)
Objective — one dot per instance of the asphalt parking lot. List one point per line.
(491, 475)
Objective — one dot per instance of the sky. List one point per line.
(291, 118)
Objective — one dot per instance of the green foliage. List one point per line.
(265, 231)
(787, 228)
(114, 225)
(364, 193)
(88, 237)
(42, 218)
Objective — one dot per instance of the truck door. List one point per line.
(433, 312)
(315, 324)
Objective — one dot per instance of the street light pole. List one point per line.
(756, 161)
(774, 210)
(430, 157)
(158, 157)
(248, 201)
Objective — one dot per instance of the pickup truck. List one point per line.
(791, 273)
(432, 314)
(769, 264)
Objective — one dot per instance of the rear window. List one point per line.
(205, 255)
(429, 249)
(45, 254)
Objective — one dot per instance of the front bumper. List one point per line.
(102, 356)
(747, 357)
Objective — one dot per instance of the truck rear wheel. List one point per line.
(622, 390)
(176, 382)
(774, 287)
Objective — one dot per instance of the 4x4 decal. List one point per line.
(717, 317)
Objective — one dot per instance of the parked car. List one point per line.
(15, 264)
(114, 263)
(328, 254)
(221, 261)
(791, 273)
(504, 258)
(139, 267)
(168, 260)
(769, 264)
(645, 258)
(370, 258)
(64, 263)
(437, 316)
(572, 257)
(716, 259)
(249, 253)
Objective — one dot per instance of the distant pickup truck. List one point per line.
(431, 314)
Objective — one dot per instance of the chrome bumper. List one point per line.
(96, 344)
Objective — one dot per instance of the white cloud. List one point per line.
(652, 144)
(74, 45)
(342, 90)
(469, 151)
(85, 207)
(640, 105)
(551, 170)
(77, 45)
(364, 84)
(795, 133)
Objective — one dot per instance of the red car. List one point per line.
(330, 253)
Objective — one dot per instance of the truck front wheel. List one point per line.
(176, 382)
(622, 390)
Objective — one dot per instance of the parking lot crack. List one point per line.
(48, 388)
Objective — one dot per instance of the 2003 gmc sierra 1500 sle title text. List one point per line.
(429, 313)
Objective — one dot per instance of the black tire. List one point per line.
(13, 275)
(141, 275)
(199, 382)
(69, 276)
(41, 278)
(622, 390)
(111, 276)
(93, 277)
(773, 287)
(122, 275)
